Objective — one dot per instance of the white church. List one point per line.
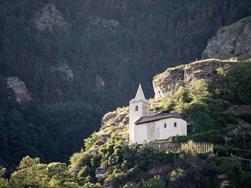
(146, 127)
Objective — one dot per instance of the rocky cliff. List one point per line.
(231, 41)
(168, 82)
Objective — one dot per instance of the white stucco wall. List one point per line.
(140, 134)
(171, 130)
(156, 130)
(143, 110)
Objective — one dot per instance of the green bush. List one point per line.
(3, 181)
(155, 182)
(235, 85)
(221, 150)
(245, 116)
(245, 180)
(229, 166)
(180, 139)
(212, 136)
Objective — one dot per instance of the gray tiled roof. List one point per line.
(159, 116)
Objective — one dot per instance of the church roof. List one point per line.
(157, 117)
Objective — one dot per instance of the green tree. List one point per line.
(32, 173)
(3, 181)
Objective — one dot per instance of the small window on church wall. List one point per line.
(136, 108)
(175, 124)
(164, 125)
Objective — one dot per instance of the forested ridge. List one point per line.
(88, 59)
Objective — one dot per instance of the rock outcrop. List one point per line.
(64, 69)
(169, 81)
(49, 17)
(100, 83)
(108, 23)
(231, 41)
(19, 88)
(115, 122)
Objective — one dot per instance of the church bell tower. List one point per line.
(138, 108)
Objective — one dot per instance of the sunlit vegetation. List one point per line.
(194, 147)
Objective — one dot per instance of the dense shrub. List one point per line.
(151, 183)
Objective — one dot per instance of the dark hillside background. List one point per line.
(88, 60)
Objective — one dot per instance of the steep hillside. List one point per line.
(218, 108)
(64, 63)
(208, 87)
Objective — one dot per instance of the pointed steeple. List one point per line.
(140, 94)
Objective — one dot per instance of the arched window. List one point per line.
(164, 125)
(175, 124)
(136, 108)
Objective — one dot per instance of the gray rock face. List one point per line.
(169, 81)
(115, 122)
(64, 69)
(19, 88)
(231, 41)
(49, 17)
(100, 83)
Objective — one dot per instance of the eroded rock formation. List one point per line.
(169, 81)
(50, 17)
(19, 88)
(231, 41)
